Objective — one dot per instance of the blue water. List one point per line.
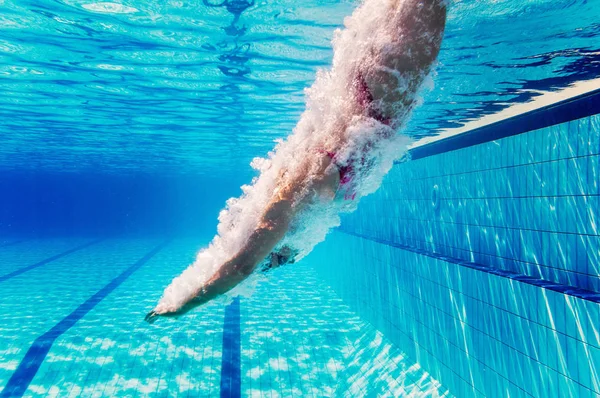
(124, 128)
(298, 337)
(186, 88)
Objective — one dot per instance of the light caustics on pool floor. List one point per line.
(72, 325)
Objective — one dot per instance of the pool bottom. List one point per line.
(292, 337)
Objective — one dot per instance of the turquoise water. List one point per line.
(125, 126)
(188, 88)
(497, 290)
(297, 337)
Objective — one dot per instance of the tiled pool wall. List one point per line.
(527, 203)
(444, 280)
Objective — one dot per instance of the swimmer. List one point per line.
(382, 84)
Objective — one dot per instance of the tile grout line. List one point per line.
(20, 271)
(30, 364)
(231, 355)
(574, 291)
(444, 312)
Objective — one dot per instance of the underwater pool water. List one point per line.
(195, 88)
(294, 336)
(126, 125)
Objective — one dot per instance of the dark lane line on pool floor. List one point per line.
(230, 358)
(20, 271)
(27, 369)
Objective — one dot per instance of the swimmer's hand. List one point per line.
(205, 295)
(151, 317)
(231, 274)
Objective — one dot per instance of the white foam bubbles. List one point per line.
(109, 8)
(333, 120)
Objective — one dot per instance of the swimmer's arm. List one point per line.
(274, 224)
(272, 228)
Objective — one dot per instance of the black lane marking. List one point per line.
(27, 369)
(48, 260)
(230, 360)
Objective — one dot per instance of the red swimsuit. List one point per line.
(365, 99)
(346, 175)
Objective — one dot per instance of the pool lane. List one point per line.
(113, 352)
(230, 362)
(299, 339)
(83, 334)
(36, 301)
(27, 369)
(31, 251)
(22, 270)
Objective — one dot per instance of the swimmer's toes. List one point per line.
(151, 316)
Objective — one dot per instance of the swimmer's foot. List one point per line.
(151, 317)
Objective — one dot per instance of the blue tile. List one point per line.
(583, 138)
(594, 134)
(584, 375)
(594, 362)
(567, 387)
(572, 128)
(586, 393)
(553, 137)
(593, 175)
(564, 151)
(562, 177)
(494, 236)
(37, 352)
(593, 252)
(48, 260)
(572, 359)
